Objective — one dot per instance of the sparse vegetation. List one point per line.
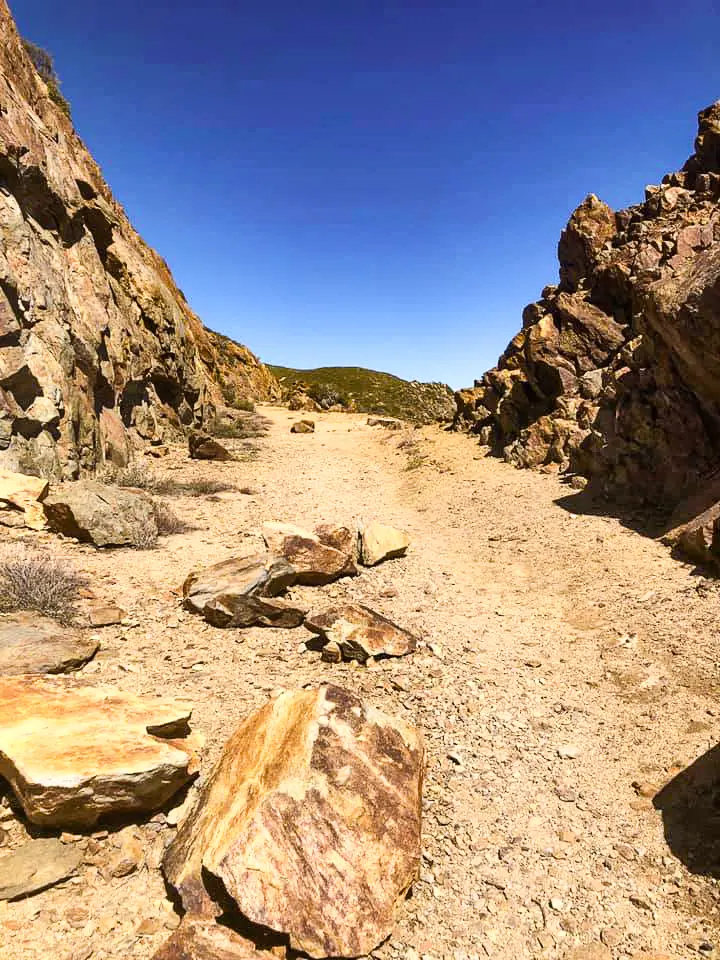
(167, 521)
(369, 391)
(44, 64)
(33, 580)
(136, 475)
(238, 428)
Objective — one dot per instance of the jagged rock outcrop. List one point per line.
(615, 373)
(98, 348)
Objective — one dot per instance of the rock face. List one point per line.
(360, 632)
(616, 371)
(241, 592)
(309, 823)
(317, 558)
(36, 866)
(99, 351)
(30, 644)
(98, 513)
(73, 753)
(378, 542)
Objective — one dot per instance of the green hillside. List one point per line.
(369, 391)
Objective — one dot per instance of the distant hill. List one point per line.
(369, 391)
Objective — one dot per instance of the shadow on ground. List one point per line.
(690, 808)
(649, 523)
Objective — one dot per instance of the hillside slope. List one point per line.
(369, 391)
(98, 348)
(615, 374)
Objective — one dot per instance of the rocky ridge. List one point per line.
(614, 375)
(99, 350)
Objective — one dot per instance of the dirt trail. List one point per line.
(565, 657)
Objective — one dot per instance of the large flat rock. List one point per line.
(360, 632)
(378, 542)
(30, 643)
(310, 822)
(36, 866)
(317, 558)
(73, 752)
(242, 592)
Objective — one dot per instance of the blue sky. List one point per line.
(377, 184)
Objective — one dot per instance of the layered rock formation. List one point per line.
(98, 347)
(614, 374)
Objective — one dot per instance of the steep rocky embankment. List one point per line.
(98, 347)
(616, 371)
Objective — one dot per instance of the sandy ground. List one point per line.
(565, 659)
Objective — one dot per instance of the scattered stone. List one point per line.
(30, 643)
(73, 753)
(203, 447)
(315, 560)
(309, 823)
(569, 752)
(104, 615)
(242, 592)
(360, 632)
(303, 426)
(98, 513)
(198, 939)
(389, 423)
(378, 542)
(25, 493)
(35, 866)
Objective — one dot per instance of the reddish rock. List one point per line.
(360, 632)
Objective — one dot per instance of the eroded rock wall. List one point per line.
(616, 372)
(99, 350)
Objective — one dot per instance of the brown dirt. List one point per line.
(545, 631)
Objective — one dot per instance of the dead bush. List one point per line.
(167, 521)
(137, 475)
(34, 580)
(238, 428)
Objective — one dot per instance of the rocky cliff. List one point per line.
(98, 348)
(615, 374)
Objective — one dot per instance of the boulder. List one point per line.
(360, 632)
(98, 513)
(244, 591)
(198, 939)
(309, 825)
(303, 426)
(389, 423)
(31, 644)
(378, 542)
(73, 752)
(315, 560)
(25, 493)
(37, 865)
(203, 447)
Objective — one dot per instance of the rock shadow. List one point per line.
(690, 808)
(645, 521)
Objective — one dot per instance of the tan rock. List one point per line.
(378, 542)
(73, 753)
(35, 866)
(31, 644)
(25, 493)
(303, 426)
(98, 513)
(360, 632)
(389, 423)
(591, 951)
(310, 821)
(241, 592)
(203, 447)
(104, 614)
(199, 939)
(313, 559)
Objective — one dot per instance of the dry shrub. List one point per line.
(138, 476)
(40, 581)
(239, 428)
(167, 521)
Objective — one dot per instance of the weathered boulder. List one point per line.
(313, 556)
(37, 865)
(309, 823)
(378, 542)
(360, 632)
(389, 423)
(244, 591)
(203, 447)
(25, 493)
(98, 513)
(200, 939)
(73, 752)
(303, 426)
(30, 643)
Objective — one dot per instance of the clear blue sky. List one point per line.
(382, 184)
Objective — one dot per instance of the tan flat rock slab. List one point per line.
(378, 542)
(36, 866)
(360, 632)
(310, 822)
(31, 644)
(25, 493)
(73, 752)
